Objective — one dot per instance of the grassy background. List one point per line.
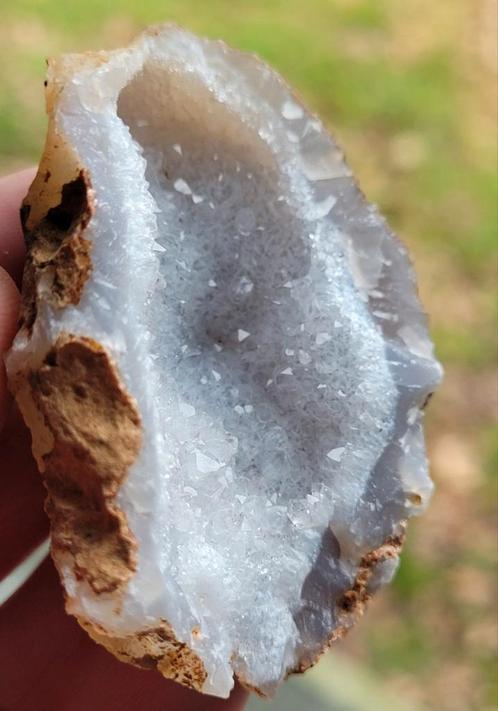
(409, 88)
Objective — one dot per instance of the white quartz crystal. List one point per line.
(266, 321)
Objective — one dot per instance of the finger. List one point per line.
(13, 188)
(9, 314)
(23, 522)
(48, 662)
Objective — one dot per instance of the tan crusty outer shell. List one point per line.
(87, 433)
(353, 602)
(96, 436)
(154, 648)
(349, 607)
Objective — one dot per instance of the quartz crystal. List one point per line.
(265, 360)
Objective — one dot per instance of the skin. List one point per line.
(47, 661)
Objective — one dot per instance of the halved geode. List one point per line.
(222, 361)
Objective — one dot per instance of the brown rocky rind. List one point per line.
(96, 437)
(58, 252)
(92, 430)
(86, 428)
(350, 606)
(155, 648)
(352, 603)
(354, 600)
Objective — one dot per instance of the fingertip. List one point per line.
(9, 314)
(3, 396)
(13, 189)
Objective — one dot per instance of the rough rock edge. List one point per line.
(157, 648)
(154, 648)
(100, 428)
(90, 435)
(87, 432)
(86, 429)
(352, 603)
(57, 251)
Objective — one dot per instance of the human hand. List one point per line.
(47, 662)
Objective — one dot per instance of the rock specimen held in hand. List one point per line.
(222, 360)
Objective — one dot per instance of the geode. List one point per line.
(223, 363)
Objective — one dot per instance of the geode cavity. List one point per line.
(223, 362)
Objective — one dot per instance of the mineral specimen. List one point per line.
(222, 360)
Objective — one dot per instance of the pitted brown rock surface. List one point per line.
(97, 436)
(155, 648)
(57, 249)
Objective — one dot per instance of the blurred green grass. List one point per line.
(409, 90)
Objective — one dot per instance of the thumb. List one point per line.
(9, 314)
